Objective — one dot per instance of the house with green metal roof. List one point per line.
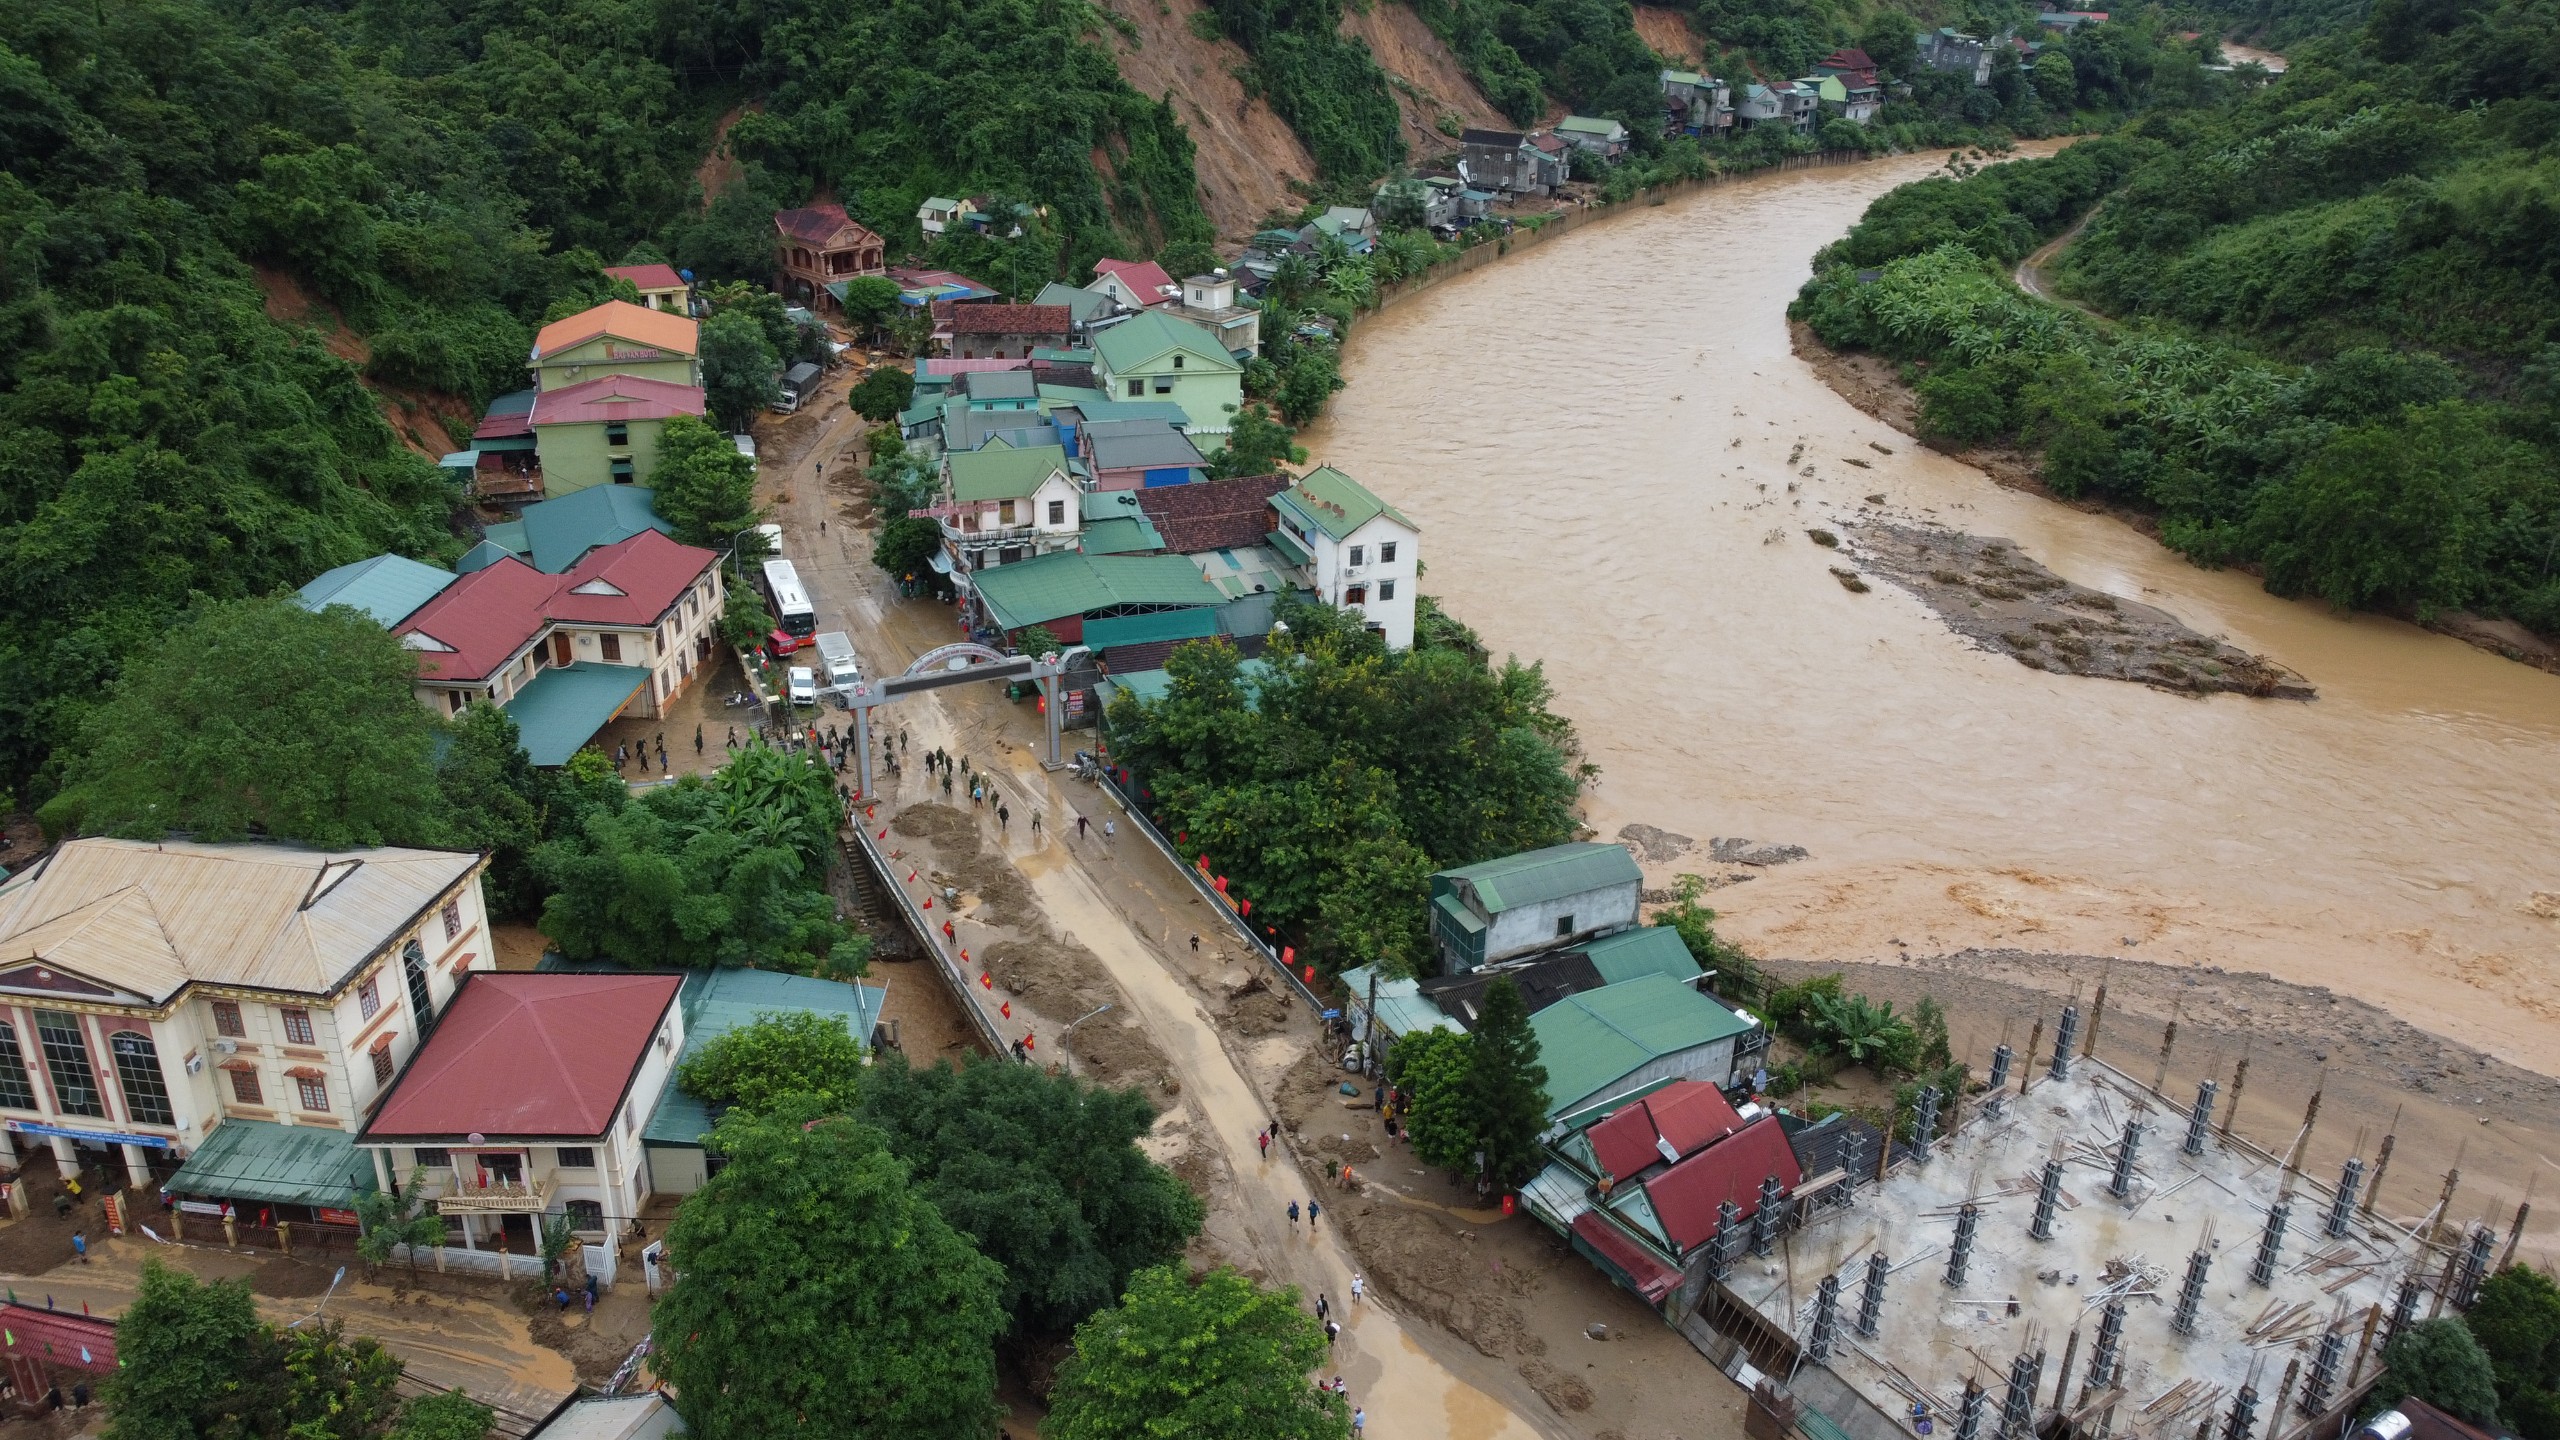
(1114, 525)
(390, 588)
(1155, 356)
(1064, 589)
(553, 535)
(1643, 950)
(714, 1003)
(1541, 900)
(1006, 504)
(1354, 550)
(1602, 137)
(1620, 1037)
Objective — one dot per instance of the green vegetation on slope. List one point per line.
(1326, 86)
(2343, 368)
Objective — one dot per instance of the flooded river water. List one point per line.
(1594, 437)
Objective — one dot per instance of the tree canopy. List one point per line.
(756, 1066)
(1506, 1086)
(880, 395)
(819, 1294)
(198, 1364)
(1215, 1357)
(702, 485)
(1043, 1171)
(2439, 1362)
(741, 369)
(259, 715)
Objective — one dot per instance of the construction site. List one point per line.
(2071, 1251)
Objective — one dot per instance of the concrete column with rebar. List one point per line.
(2200, 1119)
(2109, 1351)
(1960, 1253)
(2018, 1404)
(1725, 1242)
(2324, 1374)
(2120, 1184)
(1764, 1220)
(2262, 1271)
(2191, 1291)
(1826, 1318)
(2342, 1206)
(1924, 1122)
(1969, 1410)
(1871, 1297)
(2048, 1195)
(2244, 1414)
(2475, 1266)
(2062, 1041)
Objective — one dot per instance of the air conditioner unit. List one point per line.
(226, 1045)
(195, 1064)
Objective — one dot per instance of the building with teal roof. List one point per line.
(1620, 1037)
(1539, 900)
(390, 588)
(551, 536)
(1154, 356)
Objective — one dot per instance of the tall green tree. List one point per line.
(191, 1352)
(261, 715)
(703, 485)
(1043, 1172)
(1258, 445)
(880, 395)
(818, 1294)
(386, 1223)
(498, 802)
(1216, 1357)
(869, 301)
(2439, 1362)
(741, 369)
(444, 1415)
(2517, 1322)
(757, 1066)
(1506, 1086)
(1432, 1067)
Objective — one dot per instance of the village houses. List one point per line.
(1509, 163)
(1354, 550)
(817, 248)
(660, 287)
(1155, 356)
(1000, 332)
(1003, 505)
(1135, 284)
(218, 1019)
(605, 381)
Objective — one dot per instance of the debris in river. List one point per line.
(1849, 580)
(1879, 449)
(1734, 850)
(1861, 464)
(1823, 538)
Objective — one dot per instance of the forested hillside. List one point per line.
(443, 176)
(2332, 347)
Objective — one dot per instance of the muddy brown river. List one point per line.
(1594, 436)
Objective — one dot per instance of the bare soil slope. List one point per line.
(1246, 156)
(1668, 32)
(427, 421)
(1428, 81)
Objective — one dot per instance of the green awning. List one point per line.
(1287, 545)
(503, 444)
(1195, 624)
(276, 1164)
(565, 706)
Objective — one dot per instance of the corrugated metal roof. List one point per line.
(1401, 1008)
(1139, 629)
(1337, 504)
(566, 705)
(259, 1160)
(1148, 336)
(149, 918)
(1119, 535)
(623, 321)
(1003, 473)
(528, 1055)
(556, 532)
(1644, 950)
(1592, 1040)
(1536, 876)
(1556, 1195)
(387, 587)
(719, 1001)
(1637, 1268)
(1054, 586)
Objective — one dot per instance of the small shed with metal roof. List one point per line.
(1538, 900)
(1618, 1037)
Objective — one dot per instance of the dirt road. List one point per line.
(2030, 271)
(1125, 903)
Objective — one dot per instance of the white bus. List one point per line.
(792, 612)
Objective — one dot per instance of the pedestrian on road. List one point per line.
(1293, 1214)
(964, 764)
(1332, 1332)
(1262, 1138)
(1004, 817)
(977, 796)
(1359, 1421)
(822, 527)
(1035, 827)
(946, 785)
(1079, 827)
(1110, 831)
(902, 739)
(1195, 942)
(80, 1246)
(1359, 1287)
(697, 737)
(1323, 1308)
(1313, 1210)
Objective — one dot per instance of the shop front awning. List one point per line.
(566, 705)
(276, 1165)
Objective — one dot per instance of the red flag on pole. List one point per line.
(884, 833)
(1221, 883)
(928, 902)
(1288, 954)
(1311, 974)
(1030, 1041)
(986, 981)
(1006, 1009)
(1244, 907)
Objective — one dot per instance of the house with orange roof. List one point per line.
(617, 338)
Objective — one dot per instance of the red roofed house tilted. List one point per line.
(529, 1097)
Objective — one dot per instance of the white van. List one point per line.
(836, 657)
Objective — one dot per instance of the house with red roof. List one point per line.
(605, 430)
(529, 1100)
(660, 287)
(622, 631)
(1137, 284)
(817, 248)
(1001, 332)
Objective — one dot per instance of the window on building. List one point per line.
(1164, 384)
(369, 996)
(1356, 595)
(435, 1158)
(585, 1215)
(312, 1093)
(455, 700)
(245, 1088)
(1564, 925)
(577, 1157)
(382, 1064)
(1386, 589)
(1387, 552)
(413, 963)
(66, 1058)
(617, 433)
(146, 1091)
(226, 1019)
(613, 648)
(1177, 362)
(15, 1092)
(1004, 513)
(297, 1027)
(452, 916)
(1057, 512)
(1137, 388)
(1359, 555)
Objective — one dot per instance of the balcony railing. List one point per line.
(497, 1197)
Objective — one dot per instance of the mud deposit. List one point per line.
(2002, 601)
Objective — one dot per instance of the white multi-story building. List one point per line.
(1354, 549)
(238, 1006)
(531, 1099)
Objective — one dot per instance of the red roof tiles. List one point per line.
(623, 321)
(485, 617)
(1685, 1196)
(1008, 319)
(608, 398)
(1212, 514)
(823, 227)
(647, 277)
(1690, 1114)
(1653, 1279)
(1144, 276)
(529, 1055)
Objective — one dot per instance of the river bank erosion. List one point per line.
(2387, 840)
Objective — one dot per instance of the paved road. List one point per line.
(1127, 905)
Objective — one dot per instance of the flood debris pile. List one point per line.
(2001, 600)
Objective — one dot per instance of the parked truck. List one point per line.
(836, 657)
(798, 383)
